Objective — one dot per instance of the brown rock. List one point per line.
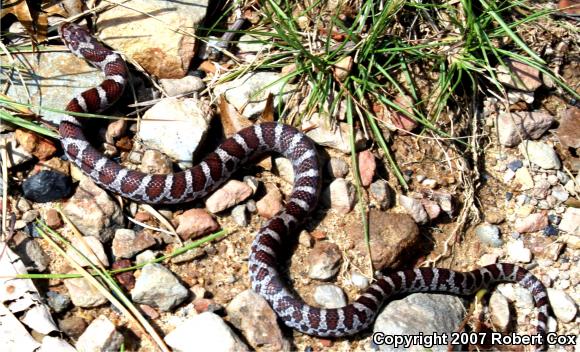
(149, 311)
(401, 121)
(569, 130)
(155, 162)
(392, 235)
(271, 203)
(324, 261)
(52, 218)
(519, 75)
(571, 7)
(514, 126)
(195, 223)
(55, 164)
(127, 278)
(231, 193)
(367, 167)
(36, 145)
(72, 326)
(127, 243)
(143, 216)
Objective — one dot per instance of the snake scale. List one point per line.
(218, 166)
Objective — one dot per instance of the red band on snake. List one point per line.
(218, 166)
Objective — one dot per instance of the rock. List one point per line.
(381, 192)
(64, 76)
(515, 165)
(432, 208)
(397, 118)
(154, 162)
(152, 38)
(50, 343)
(305, 239)
(16, 154)
(324, 261)
(176, 127)
(72, 326)
(390, 234)
(34, 144)
(248, 94)
(47, 186)
(283, 168)
(55, 164)
(523, 179)
(52, 218)
(83, 294)
(445, 201)
(494, 217)
(487, 259)
(518, 253)
(541, 189)
(508, 176)
(560, 193)
(100, 335)
(337, 168)
(271, 203)
(541, 154)
(145, 257)
(204, 332)
(499, 311)
(340, 195)
(341, 69)
(195, 223)
(531, 223)
(240, 215)
(57, 301)
(253, 183)
(158, 287)
(358, 280)
(231, 193)
(95, 252)
(569, 130)
(182, 86)
(420, 313)
(519, 75)
(115, 129)
(429, 183)
(127, 243)
(333, 135)
(570, 222)
(415, 208)
(514, 126)
(489, 234)
(329, 296)
(127, 278)
(367, 167)
(31, 252)
(93, 211)
(250, 313)
(563, 305)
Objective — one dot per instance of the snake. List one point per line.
(217, 167)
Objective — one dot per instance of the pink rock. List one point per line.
(520, 76)
(400, 120)
(414, 207)
(195, 223)
(432, 208)
(367, 167)
(569, 130)
(531, 223)
(231, 193)
(271, 203)
(524, 124)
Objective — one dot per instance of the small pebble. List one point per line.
(240, 215)
(508, 196)
(489, 234)
(514, 165)
(329, 296)
(358, 280)
(47, 186)
(550, 231)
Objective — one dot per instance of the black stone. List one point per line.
(47, 186)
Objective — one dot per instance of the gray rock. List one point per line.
(489, 234)
(240, 215)
(30, 252)
(333, 135)
(420, 313)
(560, 193)
(563, 305)
(518, 253)
(358, 280)
(158, 287)
(181, 86)
(250, 313)
(83, 294)
(100, 335)
(340, 195)
(283, 168)
(93, 211)
(204, 332)
(248, 94)
(324, 261)
(337, 168)
(57, 301)
(541, 154)
(50, 343)
(499, 311)
(329, 296)
(571, 221)
(176, 127)
(514, 126)
(95, 252)
(381, 192)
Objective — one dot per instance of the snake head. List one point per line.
(73, 35)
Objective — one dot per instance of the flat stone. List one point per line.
(541, 154)
(100, 335)
(519, 75)
(158, 287)
(569, 130)
(514, 126)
